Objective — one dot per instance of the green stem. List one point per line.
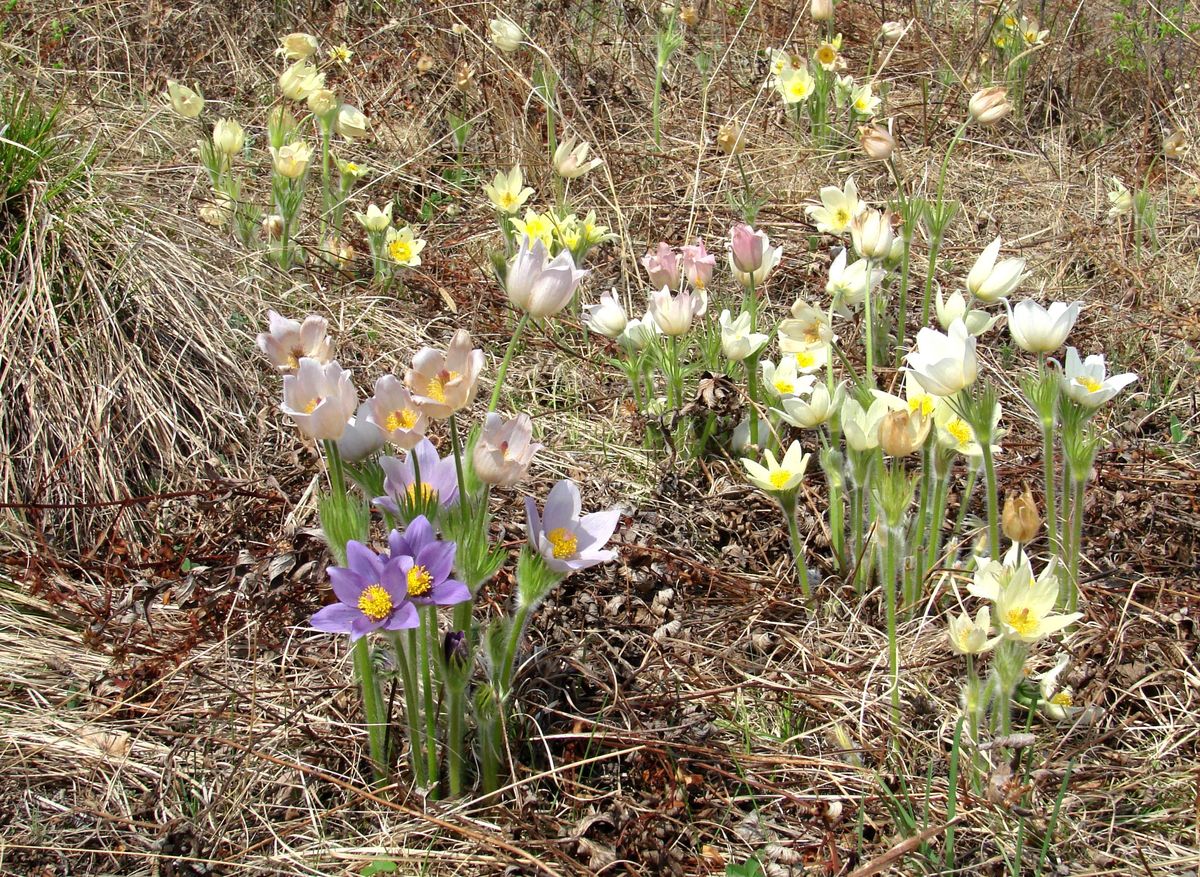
(429, 630)
(993, 505)
(1079, 490)
(504, 363)
(456, 449)
(1051, 489)
(750, 363)
(373, 707)
(455, 709)
(869, 326)
(938, 514)
(656, 102)
(935, 244)
(789, 512)
(412, 709)
(891, 547)
(902, 308)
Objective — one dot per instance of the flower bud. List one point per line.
(272, 226)
(731, 138)
(689, 15)
(1020, 520)
(424, 63)
(322, 102)
(989, 106)
(351, 122)
(871, 233)
(896, 437)
(228, 137)
(184, 101)
(298, 46)
(876, 142)
(821, 10)
(891, 31)
(1175, 144)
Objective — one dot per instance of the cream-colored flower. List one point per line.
(989, 106)
(228, 137)
(291, 159)
(298, 46)
(351, 122)
(795, 85)
(300, 80)
(972, 637)
(571, 161)
(784, 379)
(781, 476)
(286, 341)
(863, 100)
(340, 54)
(818, 408)
(376, 220)
(536, 226)
(443, 383)
(1120, 199)
(506, 35)
(1024, 605)
(838, 207)
(507, 191)
(184, 101)
(404, 248)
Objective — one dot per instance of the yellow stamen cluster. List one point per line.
(804, 359)
(785, 387)
(564, 542)
(1063, 698)
(420, 582)
(780, 478)
(1021, 621)
(312, 405)
(1089, 383)
(428, 494)
(400, 250)
(375, 603)
(961, 431)
(437, 385)
(922, 403)
(404, 418)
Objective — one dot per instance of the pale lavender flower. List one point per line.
(286, 341)
(538, 287)
(320, 398)
(426, 562)
(504, 450)
(566, 541)
(439, 480)
(698, 264)
(362, 438)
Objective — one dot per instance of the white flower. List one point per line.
(362, 438)
(795, 84)
(737, 341)
(778, 477)
(506, 36)
(571, 161)
(783, 379)
(606, 318)
(1085, 381)
(954, 433)
(639, 333)
(871, 233)
(837, 208)
(990, 280)
(1120, 199)
(375, 220)
(1039, 330)
(674, 313)
(818, 409)
(1057, 702)
(320, 398)
(861, 426)
(1024, 605)
(944, 364)
(955, 308)
(300, 80)
(847, 286)
(297, 46)
(863, 101)
(184, 101)
(351, 123)
(508, 192)
(969, 637)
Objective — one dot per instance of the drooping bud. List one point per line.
(1020, 520)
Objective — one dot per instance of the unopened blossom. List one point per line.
(427, 563)
(861, 425)
(433, 481)
(848, 286)
(286, 341)
(989, 106)
(571, 161)
(972, 637)
(505, 448)
(638, 333)
(424, 63)
(399, 416)
(322, 102)
(184, 101)
(871, 233)
(218, 211)
(731, 138)
(351, 123)
(272, 226)
(662, 266)
(877, 143)
(300, 80)
(567, 541)
(903, 431)
(403, 247)
(944, 364)
(778, 476)
(1041, 330)
(372, 594)
(319, 398)
(506, 35)
(674, 313)
(751, 256)
(291, 160)
(443, 383)
(737, 341)
(606, 318)
(228, 137)
(1020, 520)
(464, 78)
(837, 208)
(891, 31)
(784, 379)
(821, 10)
(1120, 199)
(507, 191)
(1085, 381)
(298, 46)
(795, 85)
(990, 280)
(539, 286)
(1175, 144)
(955, 308)
(362, 438)
(698, 264)
(376, 220)
(815, 408)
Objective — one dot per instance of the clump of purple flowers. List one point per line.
(381, 590)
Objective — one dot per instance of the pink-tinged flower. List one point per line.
(504, 450)
(698, 264)
(566, 541)
(362, 438)
(372, 594)
(395, 412)
(427, 563)
(320, 399)
(442, 383)
(537, 287)
(674, 314)
(662, 266)
(438, 480)
(286, 341)
(751, 255)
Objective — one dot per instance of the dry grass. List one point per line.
(682, 706)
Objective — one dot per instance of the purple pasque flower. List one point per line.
(426, 562)
(438, 480)
(698, 264)
(663, 267)
(566, 541)
(372, 594)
